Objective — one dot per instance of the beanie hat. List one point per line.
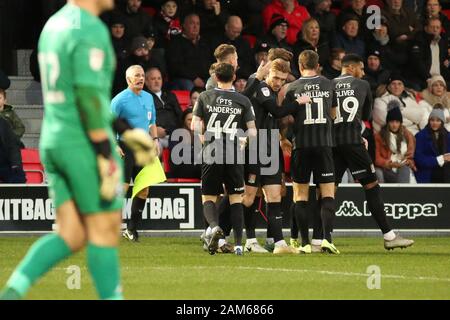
(138, 42)
(437, 113)
(435, 78)
(276, 20)
(394, 77)
(394, 112)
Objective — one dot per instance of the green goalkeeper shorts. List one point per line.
(72, 175)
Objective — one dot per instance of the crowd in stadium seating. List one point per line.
(406, 54)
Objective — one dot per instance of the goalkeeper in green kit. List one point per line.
(78, 149)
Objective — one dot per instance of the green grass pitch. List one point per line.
(178, 268)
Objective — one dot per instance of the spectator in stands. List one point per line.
(392, 55)
(403, 24)
(432, 154)
(416, 6)
(348, 39)
(429, 54)
(189, 56)
(232, 35)
(240, 83)
(358, 9)
(253, 16)
(414, 115)
(4, 81)
(395, 147)
(332, 68)
(137, 21)
(168, 111)
(141, 55)
(193, 96)
(185, 7)
(276, 36)
(7, 112)
(11, 170)
(433, 9)
(436, 93)
(310, 38)
(190, 169)
(261, 52)
(120, 42)
(375, 74)
(294, 13)
(320, 10)
(213, 17)
(167, 23)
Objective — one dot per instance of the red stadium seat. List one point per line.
(379, 3)
(336, 11)
(149, 10)
(166, 159)
(183, 180)
(34, 170)
(251, 39)
(183, 97)
(287, 162)
(446, 12)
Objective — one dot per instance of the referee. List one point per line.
(137, 107)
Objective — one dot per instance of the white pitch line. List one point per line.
(333, 273)
(325, 272)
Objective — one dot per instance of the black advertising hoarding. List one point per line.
(178, 207)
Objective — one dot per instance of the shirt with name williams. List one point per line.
(313, 123)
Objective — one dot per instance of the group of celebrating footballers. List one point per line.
(325, 138)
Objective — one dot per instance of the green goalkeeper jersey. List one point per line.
(75, 50)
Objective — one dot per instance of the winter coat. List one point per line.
(426, 155)
(383, 152)
(16, 124)
(415, 116)
(295, 18)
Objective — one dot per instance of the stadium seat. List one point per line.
(183, 180)
(149, 10)
(380, 3)
(446, 12)
(287, 163)
(166, 159)
(336, 11)
(183, 97)
(251, 39)
(34, 170)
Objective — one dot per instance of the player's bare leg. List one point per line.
(48, 251)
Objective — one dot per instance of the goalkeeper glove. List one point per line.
(109, 172)
(139, 141)
(143, 147)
